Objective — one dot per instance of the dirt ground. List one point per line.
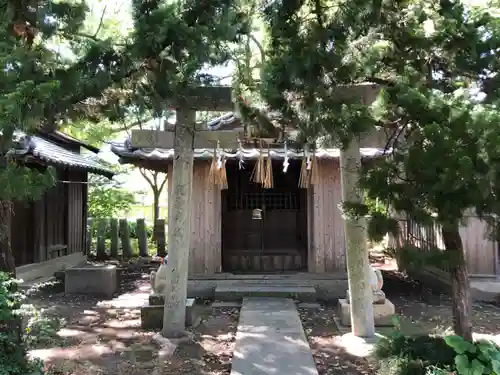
(104, 337)
(419, 310)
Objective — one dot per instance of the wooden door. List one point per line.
(275, 240)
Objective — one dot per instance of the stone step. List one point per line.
(265, 282)
(237, 292)
(237, 305)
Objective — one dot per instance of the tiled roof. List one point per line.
(228, 121)
(56, 155)
(124, 150)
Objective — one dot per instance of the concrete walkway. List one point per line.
(271, 340)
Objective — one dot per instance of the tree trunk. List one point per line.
(461, 301)
(7, 261)
(358, 262)
(179, 226)
(156, 213)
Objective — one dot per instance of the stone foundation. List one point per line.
(152, 314)
(44, 270)
(329, 286)
(383, 313)
(91, 279)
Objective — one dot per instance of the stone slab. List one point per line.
(226, 305)
(270, 339)
(383, 313)
(237, 292)
(99, 280)
(152, 315)
(308, 305)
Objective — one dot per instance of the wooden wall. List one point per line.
(21, 233)
(54, 225)
(325, 225)
(326, 228)
(56, 221)
(77, 212)
(205, 251)
(480, 250)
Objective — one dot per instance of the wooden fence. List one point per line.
(481, 251)
(113, 238)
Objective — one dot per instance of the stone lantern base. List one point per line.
(383, 313)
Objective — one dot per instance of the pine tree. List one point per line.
(40, 88)
(305, 80)
(178, 40)
(425, 57)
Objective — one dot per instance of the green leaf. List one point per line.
(459, 344)
(463, 364)
(477, 367)
(496, 366)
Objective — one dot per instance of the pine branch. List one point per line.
(100, 22)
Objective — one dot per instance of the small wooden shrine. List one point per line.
(261, 206)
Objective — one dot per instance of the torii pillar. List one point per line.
(184, 140)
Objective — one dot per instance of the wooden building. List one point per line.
(49, 234)
(481, 249)
(249, 229)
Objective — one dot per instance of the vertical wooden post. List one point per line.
(174, 316)
(142, 237)
(113, 223)
(125, 239)
(101, 238)
(160, 238)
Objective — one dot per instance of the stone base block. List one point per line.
(156, 299)
(378, 297)
(383, 313)
(152, 315)
(91, 279)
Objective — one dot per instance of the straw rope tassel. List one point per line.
(268, 178)
(223, 175)
(314, 180)
(258, 174)
(303, 181)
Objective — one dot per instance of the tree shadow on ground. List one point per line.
(104, 336)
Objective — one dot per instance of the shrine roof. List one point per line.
(47, 151)
(228, 121)
(125, 152)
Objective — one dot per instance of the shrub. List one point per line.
(480, 357)
(13, 356)
(412, 355)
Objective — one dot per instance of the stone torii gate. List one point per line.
(184, 138)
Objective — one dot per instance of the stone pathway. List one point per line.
(271, 340)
